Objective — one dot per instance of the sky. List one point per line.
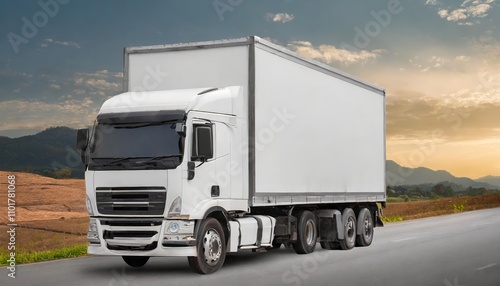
(439, 61)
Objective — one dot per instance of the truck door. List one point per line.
(212, 176)
(222, 176)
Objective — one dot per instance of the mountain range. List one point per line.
(492, 180)
(399, 175)
(43, 153)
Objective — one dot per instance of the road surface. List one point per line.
(459, 249)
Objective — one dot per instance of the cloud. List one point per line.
(47, 42)
(436, 62)
(279, 17)
(468, 10)
(462, 58)
(330, 54)
(25, 114)
(457, 93)
(416, 117)
(479, 10)
(102, 83)
(54, 86)
(456, 15)
(432, 3)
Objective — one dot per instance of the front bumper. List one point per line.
(141, 237)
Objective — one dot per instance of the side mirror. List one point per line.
(82, 141)
(180, 128)
(202, 143)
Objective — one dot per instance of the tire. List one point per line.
(349, 223)
(325, 244)
(365, 219)
(211, 247)
(136, 261)
(330, 245)
(307, 233)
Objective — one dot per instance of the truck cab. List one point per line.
(156, 167)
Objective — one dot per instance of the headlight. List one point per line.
(173, 227)
(179, 227)
(90, 210)
(175, 207)
(92, 226)
(93, 233)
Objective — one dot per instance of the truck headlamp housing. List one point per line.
(93, 233)
(90, 210)
(175, 207)
(93, 226)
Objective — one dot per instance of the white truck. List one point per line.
(222, 146)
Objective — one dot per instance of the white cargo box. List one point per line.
(315, 134)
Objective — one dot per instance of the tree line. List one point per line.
(408, 193)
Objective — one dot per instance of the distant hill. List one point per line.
(43, 153)
(492, 180)
(399, 175)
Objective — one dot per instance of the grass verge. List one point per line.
(30, 257)
(393, 218)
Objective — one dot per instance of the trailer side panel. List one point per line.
(318, 137)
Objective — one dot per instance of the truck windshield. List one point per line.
(153, 145)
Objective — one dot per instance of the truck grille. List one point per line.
(131, 200)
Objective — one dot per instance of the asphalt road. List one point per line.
(460, 249)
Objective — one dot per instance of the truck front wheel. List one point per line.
(135, 261)
(211, 247)
(307, 233)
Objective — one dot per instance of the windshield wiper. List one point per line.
(158, 158)
(118, 160)
(145, 161)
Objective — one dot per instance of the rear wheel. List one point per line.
(365, 238)
(211, 247)
(349, 222)
(135, 261)
(307, 233)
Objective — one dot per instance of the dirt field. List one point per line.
(421, 209)
(43, 198)
(45, 203)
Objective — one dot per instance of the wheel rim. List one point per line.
(368, 228)
(310, 232)
(350, 228)
(212, 247)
